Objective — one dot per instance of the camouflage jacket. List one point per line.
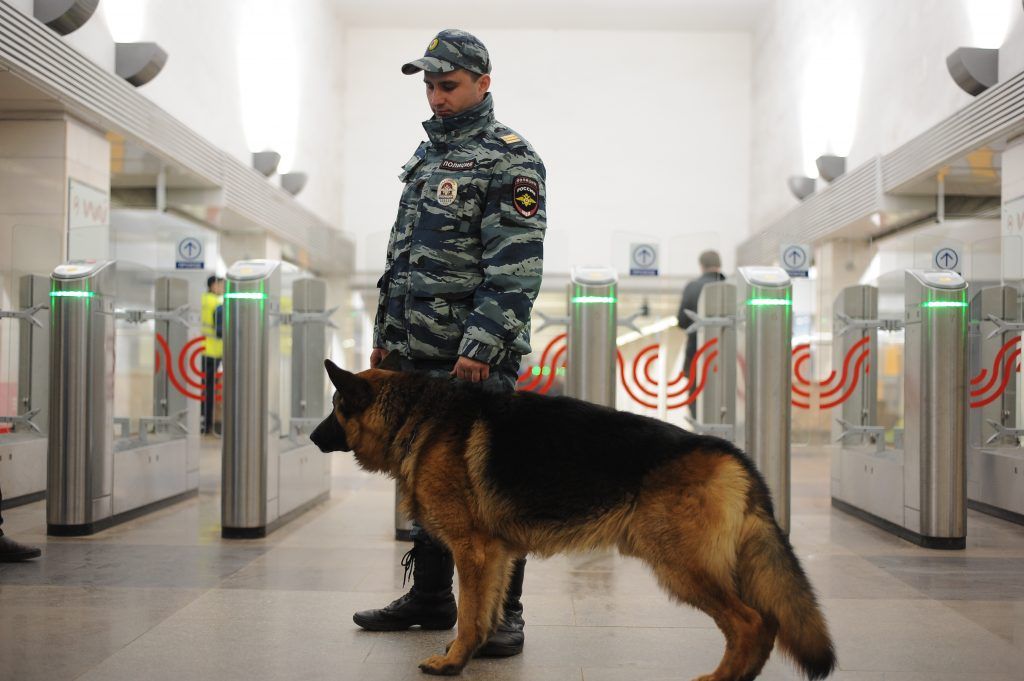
(465, 258)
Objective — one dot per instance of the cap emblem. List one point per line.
(433, 45)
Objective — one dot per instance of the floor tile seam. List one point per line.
(975, 625)
(169, 615)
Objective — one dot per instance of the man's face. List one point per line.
(452, 93)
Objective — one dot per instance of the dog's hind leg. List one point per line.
(483, 565)
(742, 626)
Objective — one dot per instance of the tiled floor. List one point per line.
(163, 597)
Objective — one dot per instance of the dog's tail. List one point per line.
(771, 580)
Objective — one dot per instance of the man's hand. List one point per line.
(471, 370)
(377, 356)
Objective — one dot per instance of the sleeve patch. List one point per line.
(525, 196)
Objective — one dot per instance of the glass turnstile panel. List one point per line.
(135, 348)
(889, 362)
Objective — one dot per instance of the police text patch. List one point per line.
(525, 196)
(458, 165)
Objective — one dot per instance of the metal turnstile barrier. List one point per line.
(919, 492)
(23, 449)
(995, 460)
(715, 326)
(764, 301)
(94, 480)
(593, 323)
(271, 472)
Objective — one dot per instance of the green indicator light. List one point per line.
(944, 303)
(535, 371)
(246, 296)
(560, 371)
(778, 302)
(546, 371)
(71, 294)
(593, 299)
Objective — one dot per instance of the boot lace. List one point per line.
(408, 561)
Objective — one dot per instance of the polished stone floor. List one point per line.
(165, 598)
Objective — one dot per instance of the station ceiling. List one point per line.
(696, 15)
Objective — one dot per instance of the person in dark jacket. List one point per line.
(710, 267)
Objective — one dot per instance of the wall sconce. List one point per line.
(139, 63)
(266, 162)
(293, 182)
(830, 167)
(974, 69)
(64, 16)
(801, 186)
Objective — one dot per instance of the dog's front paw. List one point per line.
(438, 665)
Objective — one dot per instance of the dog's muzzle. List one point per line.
(329, 436)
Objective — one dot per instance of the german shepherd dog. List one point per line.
(692, 507)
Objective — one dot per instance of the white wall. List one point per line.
(856, 78)
(645, 135)
(212, 49)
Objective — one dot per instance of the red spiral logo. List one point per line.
(826, 391)
(187, 368)
(644, 386)
(1002, 370)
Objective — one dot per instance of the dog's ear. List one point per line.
(392, 362)
(355, 392)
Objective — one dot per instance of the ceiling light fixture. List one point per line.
(64, 16)
(974, 69)
(293, 182)
(139, 63)
(801, 186)
(266, 162)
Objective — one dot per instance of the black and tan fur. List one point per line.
(497, 476)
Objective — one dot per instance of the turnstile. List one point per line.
(856, 418)
(995, 460)
(919, 492)
(23, 449)
(763, 345)
(271, 471)
(94, 480)
(590, 375)
(715, 326)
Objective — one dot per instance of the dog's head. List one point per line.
(352, 397)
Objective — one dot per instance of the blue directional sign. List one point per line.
(643, 260)
(946, 258)
(796, 259)
(189, 254)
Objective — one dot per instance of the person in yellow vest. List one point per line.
(214, 348)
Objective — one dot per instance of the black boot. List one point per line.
(429, 603)
(508, 639)
(13, 552)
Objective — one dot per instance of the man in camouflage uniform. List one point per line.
(463, 268)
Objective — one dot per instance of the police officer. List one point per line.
(213, 349)
(463, 269)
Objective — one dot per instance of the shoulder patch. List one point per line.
(511, 138)
(525, 196)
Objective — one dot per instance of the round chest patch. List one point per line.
(446, 191)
